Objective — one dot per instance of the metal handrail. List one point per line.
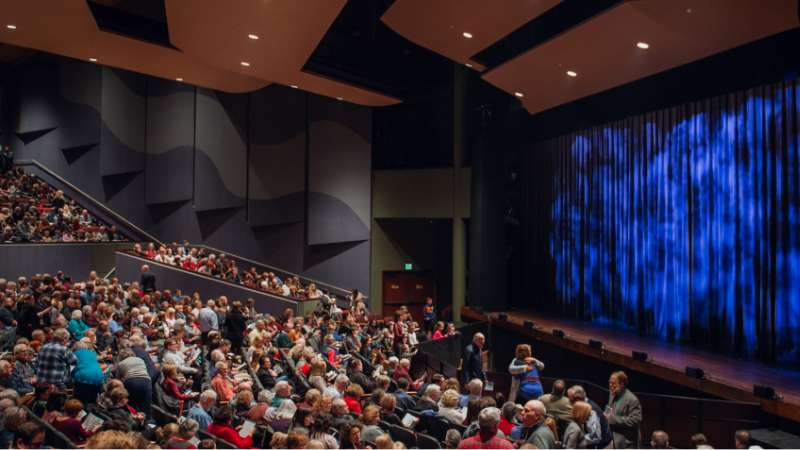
(95, 202)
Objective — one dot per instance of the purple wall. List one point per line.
(276, 175)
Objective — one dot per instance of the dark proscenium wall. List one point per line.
(239, 172)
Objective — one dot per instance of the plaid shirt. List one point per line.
(52, 363)
(475, 442)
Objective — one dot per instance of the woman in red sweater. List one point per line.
(221, 428)
(170, 384)
(69, 423)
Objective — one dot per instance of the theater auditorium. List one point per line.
(390, 224)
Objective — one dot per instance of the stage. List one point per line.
(725, 377)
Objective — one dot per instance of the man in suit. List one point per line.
(624, 413)
(534, 430)
(147, 281)
(471, 362)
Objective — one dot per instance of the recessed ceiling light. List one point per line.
(179, 79)
(468, 65)
(293, 86)
(11, 27)
(643, 45)
(688, 10)
(253, 36)
(92, 59)
(467, 34)
(519, 94)
(340, 98)
(245, 64)
(572, 73)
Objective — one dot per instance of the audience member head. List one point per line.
(659, 439)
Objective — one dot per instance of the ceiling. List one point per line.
(529, 46)
(207, 40)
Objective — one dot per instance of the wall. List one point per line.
(76, 260)
(277, 175)
(413, 213)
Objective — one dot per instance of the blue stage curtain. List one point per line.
(684, 223)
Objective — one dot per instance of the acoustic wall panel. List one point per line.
(79, 86)
(123, 114)
(277, 156)
(38, 99)
(169, 164)
(220, 150)
(339, 171)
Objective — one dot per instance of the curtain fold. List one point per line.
(684, 223)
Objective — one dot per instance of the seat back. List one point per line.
(221, 443)
(52, 436)
(403, 435)
(425, 441)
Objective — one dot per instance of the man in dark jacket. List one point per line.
(147, 281)
(577, 393)
(471, 361)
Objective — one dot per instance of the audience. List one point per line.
(33, 211)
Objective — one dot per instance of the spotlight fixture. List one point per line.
(340, 98)
(253, 36)
(643, 45)
(639, 356)
(559, 334)
(572, 73)
(467, 35)
(92, 59)
(595, 344)
(11, 26)
(502, 317)
(468, 65)
(695, 372)
(528, 324)
(519, 94)
(179, 79)
(245, 64)
(293, 86)
(763, 391)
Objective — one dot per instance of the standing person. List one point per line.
(235, 326)
(429, 316)
(525, 382)
(147, 280)
(624, 412)
(133, 372)
(54, 360)
(207, 320)
(88, 374)
(471, 361)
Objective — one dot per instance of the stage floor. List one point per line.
(727, 377)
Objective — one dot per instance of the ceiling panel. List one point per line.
(603, 51)
(438, 25)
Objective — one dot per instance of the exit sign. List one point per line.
(408, 266)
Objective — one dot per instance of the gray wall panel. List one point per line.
(76, 260)
(123, 122)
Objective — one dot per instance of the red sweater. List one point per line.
(352, 404)
(171, 388)
(229, 434)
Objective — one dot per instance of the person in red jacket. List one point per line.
(170, 383)
(221, 428)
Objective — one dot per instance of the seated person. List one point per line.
(221, 427)
(69, 424)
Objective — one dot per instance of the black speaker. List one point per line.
(763, 391)
(596, 344)
(559, 333)
(528, 324)
(639, 356)
(502, 317)
(695, 372)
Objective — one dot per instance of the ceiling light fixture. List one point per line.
(340, 98)
(293, 86)
(11, 26)
(253, 36)
(245, 64)
(92, 59)
(179, 79)
(643, 45)
(467, 34)
(468, 65)
(519, 94)
(572, 73)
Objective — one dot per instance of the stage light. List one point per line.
(11, 26)
(559, 333)
(528, 324)
(92, 59)
(639, 356)
(596, 344)
(695, 372)
(763, 391)
(643, 45)
(245, 64)
(502, 317)
(572, 73)
(467, 35)
(253, 36)
(519, 94)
